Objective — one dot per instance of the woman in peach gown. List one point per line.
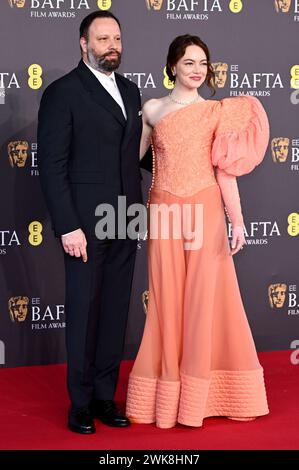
(197, 357)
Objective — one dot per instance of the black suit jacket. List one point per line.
(87, 152)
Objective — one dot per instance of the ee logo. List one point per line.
(35, 233)
(293, 227)
(235, 6)
(35, 76)
(104, 4)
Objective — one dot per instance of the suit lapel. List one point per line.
(122, 86)
(99, 94)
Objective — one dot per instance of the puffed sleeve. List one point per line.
(241, 135)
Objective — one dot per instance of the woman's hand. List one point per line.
(238, 239)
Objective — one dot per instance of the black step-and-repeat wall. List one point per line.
(254, 50)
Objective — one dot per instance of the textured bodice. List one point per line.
(231, 134)
(181, 143)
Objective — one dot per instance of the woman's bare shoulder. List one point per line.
(153, 107)
(154, 104)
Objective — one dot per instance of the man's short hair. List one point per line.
(86, 22)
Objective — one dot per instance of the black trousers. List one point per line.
(97, 303)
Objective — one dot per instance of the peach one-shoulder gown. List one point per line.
(197, 357)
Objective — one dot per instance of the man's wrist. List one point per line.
(65, 234)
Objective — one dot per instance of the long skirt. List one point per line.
(197, 357)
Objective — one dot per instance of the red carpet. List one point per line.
(34, 403)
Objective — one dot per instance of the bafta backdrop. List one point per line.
(253, 48)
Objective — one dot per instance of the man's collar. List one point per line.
(101, 75)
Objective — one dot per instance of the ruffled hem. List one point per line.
(235, 394)
(239, 152)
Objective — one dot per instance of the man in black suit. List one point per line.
(88, 139)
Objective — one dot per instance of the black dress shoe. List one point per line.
(109, 414)
(80, 420)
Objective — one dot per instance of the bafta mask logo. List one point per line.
(277, 295)
(16, 3)
(220, 69)
(280, 149)
(154, 4)
(145, 301)
(17, 153)
(282, 5)
(18, 308)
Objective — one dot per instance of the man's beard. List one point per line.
(102, 63)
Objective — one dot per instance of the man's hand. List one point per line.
(75, 244)
(238, 239)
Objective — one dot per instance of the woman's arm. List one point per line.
(146, 130)
(231, 198)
